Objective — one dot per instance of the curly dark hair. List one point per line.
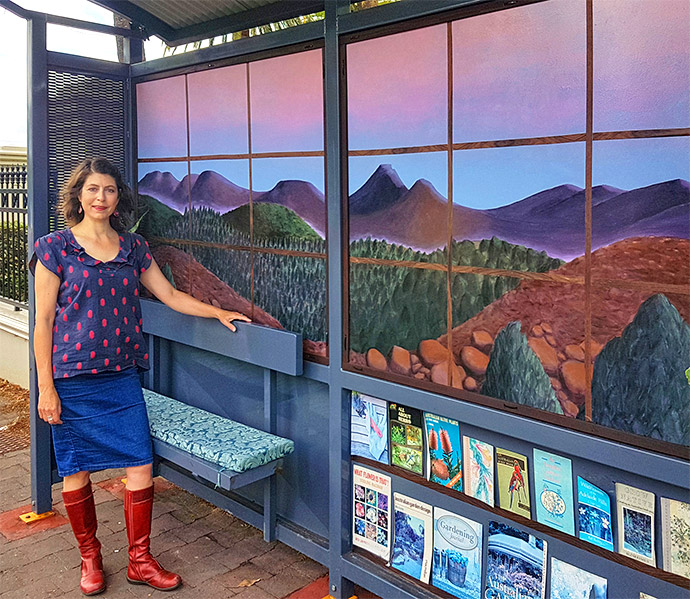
(68, 206)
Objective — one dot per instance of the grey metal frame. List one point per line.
(626, 463)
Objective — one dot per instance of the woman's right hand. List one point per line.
(49, 407)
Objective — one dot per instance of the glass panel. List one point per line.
(218, 111)
(162, 118)
(641, 229)
(294, 189)
(529, 196)
(395, 306)
(641, 340)
(292, 289)
(287, 103)
(163, 199)
(81, 42)
(400, 200)
(537, 362)
(219, 185)
(520, 72)
(640, 81)
(397, 90)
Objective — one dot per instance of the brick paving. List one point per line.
(217, 555)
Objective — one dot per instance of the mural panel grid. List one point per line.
(577, 263)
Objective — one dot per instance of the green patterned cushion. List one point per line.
(231, 445)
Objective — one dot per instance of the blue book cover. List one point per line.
(444, 465)
(457, 562)
(594, 514)
(516, 564)
(570, 582)
(369, 427)
(553, 489)
(413, 542)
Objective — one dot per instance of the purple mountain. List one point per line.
(301, 197)
(384, 188)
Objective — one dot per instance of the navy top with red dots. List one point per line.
(97, 315)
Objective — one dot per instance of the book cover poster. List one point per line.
(457, 563)
(369, 427)
(444, 465)
(406, 444)
(413, 539)
(594, 514)
(569, 582)
(516, 564)
(675, 536)
(479, 469)
(553, 491)
(513, 482)
(635, 518)
(371, 511)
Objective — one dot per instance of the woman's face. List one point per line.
(99, 196)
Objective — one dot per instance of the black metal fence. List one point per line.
(13, 235)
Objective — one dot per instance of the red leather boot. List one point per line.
(81, 512)
(143, 569)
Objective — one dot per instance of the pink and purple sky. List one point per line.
(520, 72)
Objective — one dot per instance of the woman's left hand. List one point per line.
(227, 317)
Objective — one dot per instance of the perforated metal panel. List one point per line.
(86, 118)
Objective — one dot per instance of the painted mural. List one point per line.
(229, 224)
(470, 272)
(509, 223)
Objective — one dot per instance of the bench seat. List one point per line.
(230, 446)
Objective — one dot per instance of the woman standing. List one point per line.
(89, 349)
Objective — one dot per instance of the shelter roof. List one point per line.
(181, 21)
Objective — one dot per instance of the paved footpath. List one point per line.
(217, 555)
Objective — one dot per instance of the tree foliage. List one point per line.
(515, 373)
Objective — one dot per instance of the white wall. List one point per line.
(14, 345)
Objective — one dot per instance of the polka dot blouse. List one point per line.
(97, 316)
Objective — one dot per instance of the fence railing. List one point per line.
(13, 235)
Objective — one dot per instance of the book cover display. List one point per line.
(457, 563)
(406, 441)
(369, 427)
(675, 536)
(513, 482)
(413, 540)
(371, 511)
(594, 514)
(553, 489)
(444, 465)
(516, 565)
(635, 518)
(479, 469)
(569, 582)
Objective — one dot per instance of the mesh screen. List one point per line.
(86, 119)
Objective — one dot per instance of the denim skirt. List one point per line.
(104, 423)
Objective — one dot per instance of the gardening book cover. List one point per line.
(594, 514)
(516, 564)
(413, 540)
(369, 427)
(553, 490)
(635, 518)
(479, 469)
(444, 465)
(371, 511)
(570, 582)
(406, 443)
(675, 536)
(457, 563)
(513, 482)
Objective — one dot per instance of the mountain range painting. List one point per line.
(472, 269)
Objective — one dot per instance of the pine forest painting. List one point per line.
(468, 244)
(483, 264)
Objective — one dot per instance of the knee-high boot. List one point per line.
(81, 512)
(143, 569)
